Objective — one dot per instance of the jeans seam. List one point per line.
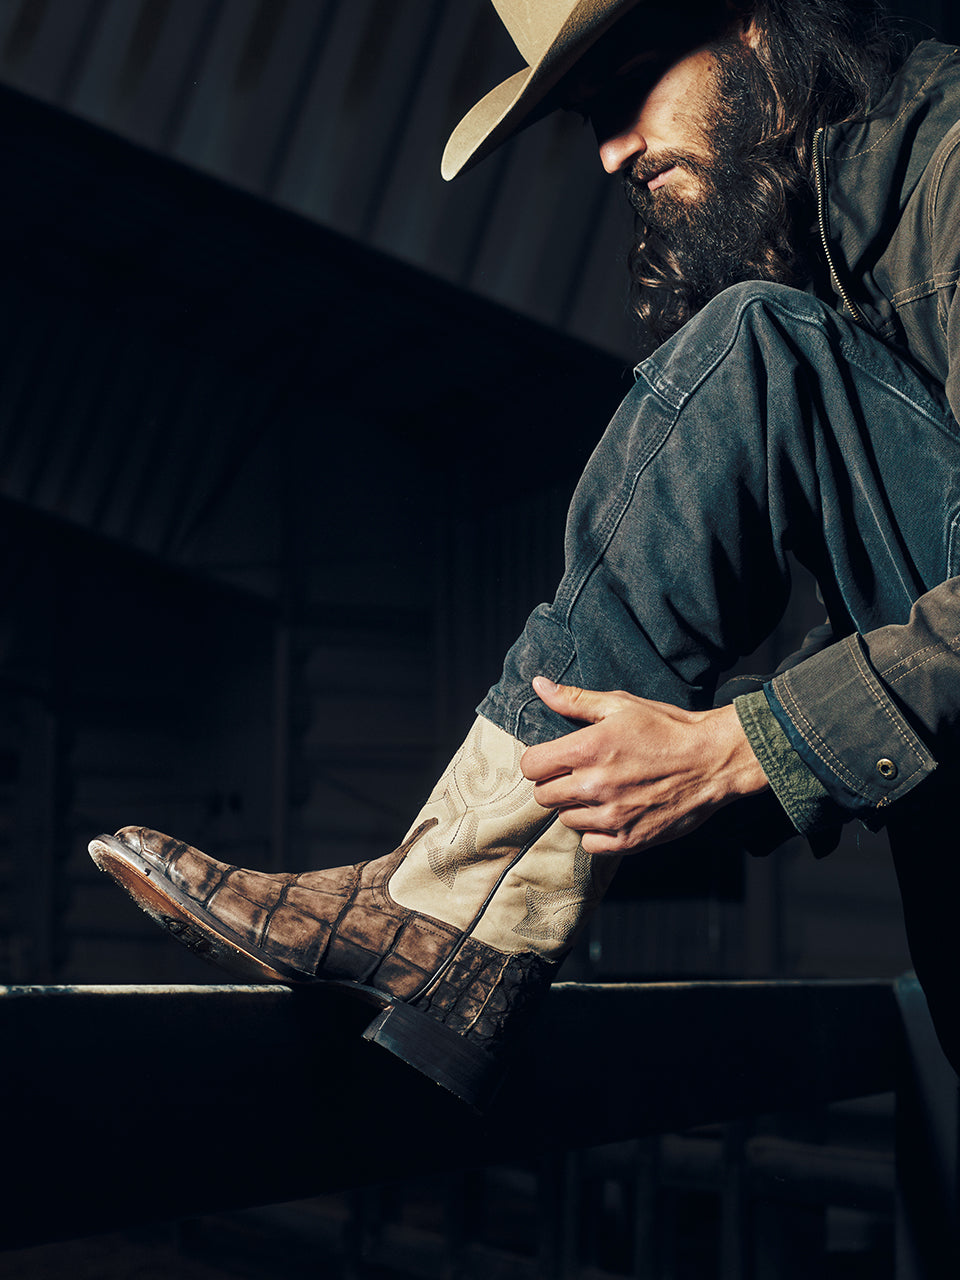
(566, 601)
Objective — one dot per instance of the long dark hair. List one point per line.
(815, 62)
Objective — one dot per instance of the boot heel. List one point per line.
(437, 1052)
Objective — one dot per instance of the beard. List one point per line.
(741, 225)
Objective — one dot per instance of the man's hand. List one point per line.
(642, 772)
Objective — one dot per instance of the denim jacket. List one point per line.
(871, 716)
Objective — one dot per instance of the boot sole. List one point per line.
(183, 917)
(470, 1073)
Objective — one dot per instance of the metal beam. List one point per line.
(131, 1104)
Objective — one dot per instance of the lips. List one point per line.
(651, 175)
(659, 179)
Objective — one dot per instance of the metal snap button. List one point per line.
(887, 769)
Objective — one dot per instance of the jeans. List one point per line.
(768, 424)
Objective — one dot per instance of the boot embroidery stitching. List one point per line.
(479, 807)
(473, 781)
(447, 860)
(552, 914)
(470, 791)
(434, 979)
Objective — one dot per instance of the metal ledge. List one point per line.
(129, 1104)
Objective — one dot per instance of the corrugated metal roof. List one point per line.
(339, 109)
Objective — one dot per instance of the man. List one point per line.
(795, 266)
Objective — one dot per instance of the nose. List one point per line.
(619, 149)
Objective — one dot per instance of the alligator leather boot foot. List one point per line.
(453, 937)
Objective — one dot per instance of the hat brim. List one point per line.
(508, 107)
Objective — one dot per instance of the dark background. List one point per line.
(287, 431)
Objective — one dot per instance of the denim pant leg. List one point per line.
(768, 424)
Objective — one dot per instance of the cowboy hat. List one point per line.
(552, 36)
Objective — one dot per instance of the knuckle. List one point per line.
(594, 791)
(601, 789)
(581, 789)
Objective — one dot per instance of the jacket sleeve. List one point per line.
(801, 794)
(872, 715)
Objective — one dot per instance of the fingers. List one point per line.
(564, 754)
(601, 842)
(577, 704)
(597, 839)
(548, 760)
(563, 792)
(637, 773)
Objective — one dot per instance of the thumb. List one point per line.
(569, 700)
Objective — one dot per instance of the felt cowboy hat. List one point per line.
(552, 36)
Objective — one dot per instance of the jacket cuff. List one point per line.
(847, 729)
(803, 796)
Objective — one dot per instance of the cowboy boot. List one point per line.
(454, 936)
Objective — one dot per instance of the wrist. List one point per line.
(739, 772)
